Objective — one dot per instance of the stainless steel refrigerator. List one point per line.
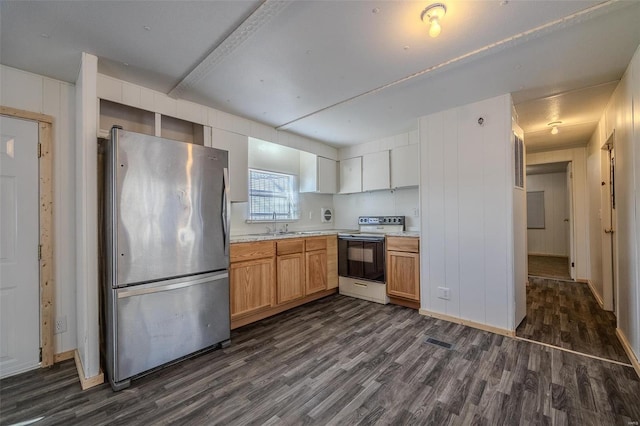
(165, 245)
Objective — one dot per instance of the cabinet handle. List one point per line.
(360, 285)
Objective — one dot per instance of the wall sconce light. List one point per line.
(432, 14)
(554, 127)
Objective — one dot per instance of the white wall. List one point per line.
(578, 158)
(86, 186)
(277, 158)
(466, 191)
(623, 115)
(552, 240)
(595, 192)
(31, 92)
(400, 202)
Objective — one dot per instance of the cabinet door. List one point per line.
(375, 171)
(252, 284)
(291, 277)
(327, 176)
(405, 166)
(403, 275)
(238, 148)
(316, 271)
(351, 175)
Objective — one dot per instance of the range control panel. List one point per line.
(381, 220)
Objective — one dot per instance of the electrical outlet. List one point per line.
(61, 324)
(416, 212)
(444, 293)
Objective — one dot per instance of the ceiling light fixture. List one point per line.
(432, 14)
(554, 127)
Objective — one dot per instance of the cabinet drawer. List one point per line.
(408, 244)
(251, 251)
(319, 243)
(290, 246)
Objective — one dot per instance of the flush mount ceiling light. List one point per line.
(432, 14)
(554, 127)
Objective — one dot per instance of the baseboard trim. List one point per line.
(87, 382)
(63, 356)
(595, 294)
(627, 348)
(473, 324)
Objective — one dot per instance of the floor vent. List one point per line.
(438, 343)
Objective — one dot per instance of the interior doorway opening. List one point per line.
(550, 233)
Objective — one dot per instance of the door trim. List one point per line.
(45, 171)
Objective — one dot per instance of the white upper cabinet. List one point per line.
(351, 175)
(375, 171)
(317, 174)
(405, 166)
(327, 176)
(238, 148)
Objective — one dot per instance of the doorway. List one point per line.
(26, 252)
(550, 235)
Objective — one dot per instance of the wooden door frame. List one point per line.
(45, 176)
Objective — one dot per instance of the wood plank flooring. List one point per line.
(342, 360)
(549, 267)
(565, 314)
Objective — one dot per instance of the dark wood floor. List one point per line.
(565, 314)
(346, 361)
(549, 266)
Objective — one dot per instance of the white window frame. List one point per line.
(285, 204)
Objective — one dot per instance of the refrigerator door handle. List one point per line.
(226, 210)
(168, 285)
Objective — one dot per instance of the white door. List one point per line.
(569, 222)
(19, 239)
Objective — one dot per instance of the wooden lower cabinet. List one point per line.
(269, 277)
(403, 275)
(316, 263)
(403, 270)
(290, 277)
(251, 286)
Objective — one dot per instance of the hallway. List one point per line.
(565, 314)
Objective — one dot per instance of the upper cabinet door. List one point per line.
(351, 175)
(327, 176)
(375, 171)
(318, 174)
(405, 166)
(238, 148)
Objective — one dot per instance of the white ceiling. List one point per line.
(343, 72)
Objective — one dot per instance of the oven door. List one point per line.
(361, 257)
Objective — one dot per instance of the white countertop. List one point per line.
(278, 236)
(303, 234)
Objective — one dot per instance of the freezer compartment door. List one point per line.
(170, 208)
(160, 322)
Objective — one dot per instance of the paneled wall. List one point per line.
(595, 194)
(552, 240)
(466, 192)
(31, 92)
(623, 116)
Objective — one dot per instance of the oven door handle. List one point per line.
(354, 238)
